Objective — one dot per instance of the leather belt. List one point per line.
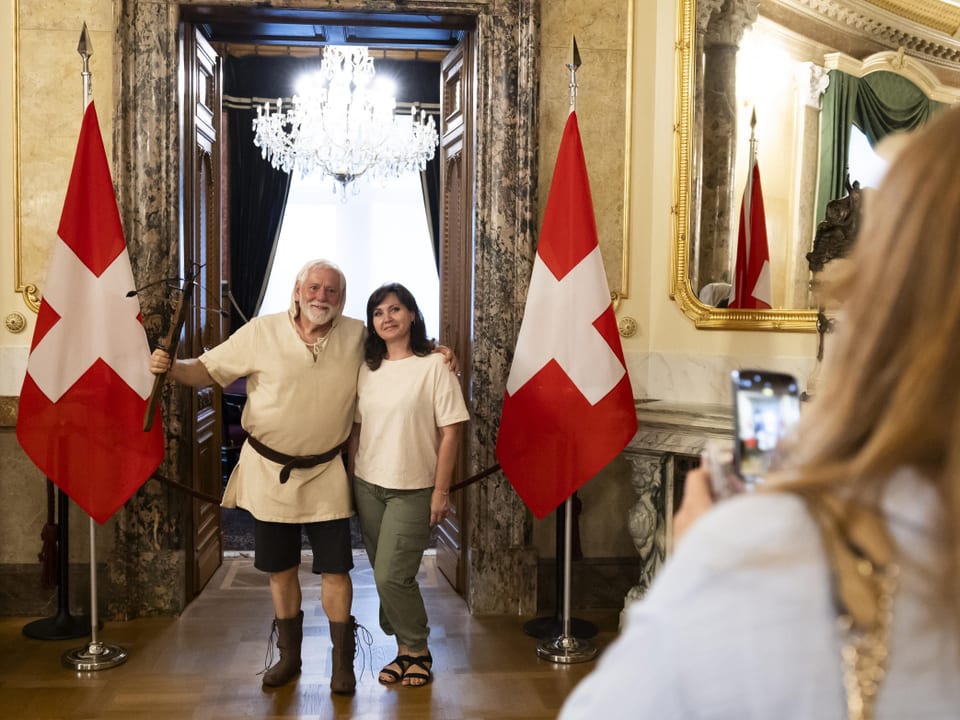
(291, 462)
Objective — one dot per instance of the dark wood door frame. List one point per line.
(201, 253)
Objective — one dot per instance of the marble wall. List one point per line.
(689, 378)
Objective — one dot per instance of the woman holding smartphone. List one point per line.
(833, 590)
(402, 451)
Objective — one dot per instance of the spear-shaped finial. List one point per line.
(753, 137)
(85, 48)
(573, 74)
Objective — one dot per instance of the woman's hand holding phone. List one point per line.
(718, 459)
(714, 480)
(697, 500)
(766, 405)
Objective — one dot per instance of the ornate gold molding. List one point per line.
(15, 322)
(705, 316)
(926, 28)
(624, 291)
(30, 292)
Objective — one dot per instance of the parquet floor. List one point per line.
(204, 664)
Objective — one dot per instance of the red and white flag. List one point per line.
(85, 393)
(568, 408)
(751, 286)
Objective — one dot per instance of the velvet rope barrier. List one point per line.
(216, 500)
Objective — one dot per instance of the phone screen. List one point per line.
(766, 407)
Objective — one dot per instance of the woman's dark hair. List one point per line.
(375, 349)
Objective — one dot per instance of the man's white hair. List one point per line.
(302, 277)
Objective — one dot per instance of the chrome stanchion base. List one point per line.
(547, 628)
(94, 656)
(567, 649)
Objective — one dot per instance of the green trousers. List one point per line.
(395, 525)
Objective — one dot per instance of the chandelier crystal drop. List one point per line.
(344, 125)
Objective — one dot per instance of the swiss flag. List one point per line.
(751, 287)
(85, 393)
(568, 409)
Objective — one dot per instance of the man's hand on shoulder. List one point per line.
(449, 357)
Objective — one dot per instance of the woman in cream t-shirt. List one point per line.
(402, 452)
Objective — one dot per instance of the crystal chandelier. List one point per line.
(343, 125)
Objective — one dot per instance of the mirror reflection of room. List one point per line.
(782, 97)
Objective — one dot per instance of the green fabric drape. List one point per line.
(878, 104)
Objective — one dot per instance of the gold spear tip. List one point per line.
(84, 47)
(753, 118)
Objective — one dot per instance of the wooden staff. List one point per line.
(170, 345)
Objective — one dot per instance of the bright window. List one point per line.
(376, 236)
(865, 165)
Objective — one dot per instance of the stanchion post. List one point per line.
(544, 628)
(63, 625)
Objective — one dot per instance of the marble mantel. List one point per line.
(667, 443)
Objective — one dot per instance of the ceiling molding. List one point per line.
(884, 27)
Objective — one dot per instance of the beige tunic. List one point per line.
(295, 405)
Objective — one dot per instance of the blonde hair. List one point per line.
(890, 392)
(302, 277)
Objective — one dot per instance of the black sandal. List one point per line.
(425, 663)
(402, 662)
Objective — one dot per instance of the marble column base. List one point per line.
(501, 576)
(669, 438)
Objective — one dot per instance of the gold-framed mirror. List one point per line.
(707, 192)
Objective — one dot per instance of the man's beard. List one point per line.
(318, 315)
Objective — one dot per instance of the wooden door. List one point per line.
(456, 271)
(200, 155)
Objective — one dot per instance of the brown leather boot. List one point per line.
(289, 639)
(344, 637)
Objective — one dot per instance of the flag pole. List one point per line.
(751, 161)
(550, 626)
(95, 655)
(63, 625)
(566, 648)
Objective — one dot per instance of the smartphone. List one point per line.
(766, 406)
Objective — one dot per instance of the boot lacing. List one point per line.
(271, 643)
(361, 637)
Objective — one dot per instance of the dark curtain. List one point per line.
(258, 193)
(878, 104)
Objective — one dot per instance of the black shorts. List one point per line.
(277, 545)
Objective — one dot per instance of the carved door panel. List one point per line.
(204, 326)
(456, 270)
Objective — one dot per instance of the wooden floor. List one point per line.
(204, 664)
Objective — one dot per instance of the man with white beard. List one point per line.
(301, 368)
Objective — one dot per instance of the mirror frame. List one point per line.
(706, 316)
(29, 290)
